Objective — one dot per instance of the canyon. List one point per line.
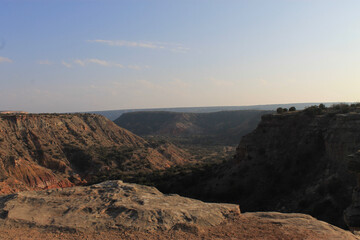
(207, 136)
(291, 163)
(40, 151)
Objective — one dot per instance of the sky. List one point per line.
(85, 55)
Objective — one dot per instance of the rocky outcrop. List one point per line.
(296, 226)
(111, 205)
(293, 162)
(40, 151)
(117, 210)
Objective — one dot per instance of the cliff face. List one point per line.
(40, 151)
(352, 213)
(292, 162)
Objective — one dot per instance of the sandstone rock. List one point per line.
(305, 224)
(111, 205)
(117, 210)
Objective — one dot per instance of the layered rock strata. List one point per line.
(39, 151)
(292, 162)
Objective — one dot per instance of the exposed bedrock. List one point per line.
(111, 205)
(118, 210)
(293, 162)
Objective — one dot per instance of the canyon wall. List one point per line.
(39, 151)
(292, 162)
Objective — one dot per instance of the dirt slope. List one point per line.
(39, 151)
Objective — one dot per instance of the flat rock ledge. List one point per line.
(295, 224)
(111, 205)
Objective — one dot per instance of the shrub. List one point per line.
(341, 107)
(355, 105)
(313, 110)
(279, 110)
(322, 106)
(78, 157)
(292, 109)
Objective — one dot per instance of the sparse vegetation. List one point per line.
(172, 180)
(313, 110)
(79, 158)
(207, 137)
(95, 158)
(341, 107)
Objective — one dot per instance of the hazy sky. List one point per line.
(79, 55)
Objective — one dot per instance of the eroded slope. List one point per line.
(294, 162)
(40, 151)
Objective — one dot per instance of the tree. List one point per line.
(292, 109)
(279, 110)
(322, 106)
(313, 110)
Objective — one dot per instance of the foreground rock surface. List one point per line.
(111, 205)
(117, 210)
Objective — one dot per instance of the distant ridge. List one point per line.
(114, 114)
(13, 112)
(223, 128)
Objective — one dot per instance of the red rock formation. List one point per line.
(41, 151)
